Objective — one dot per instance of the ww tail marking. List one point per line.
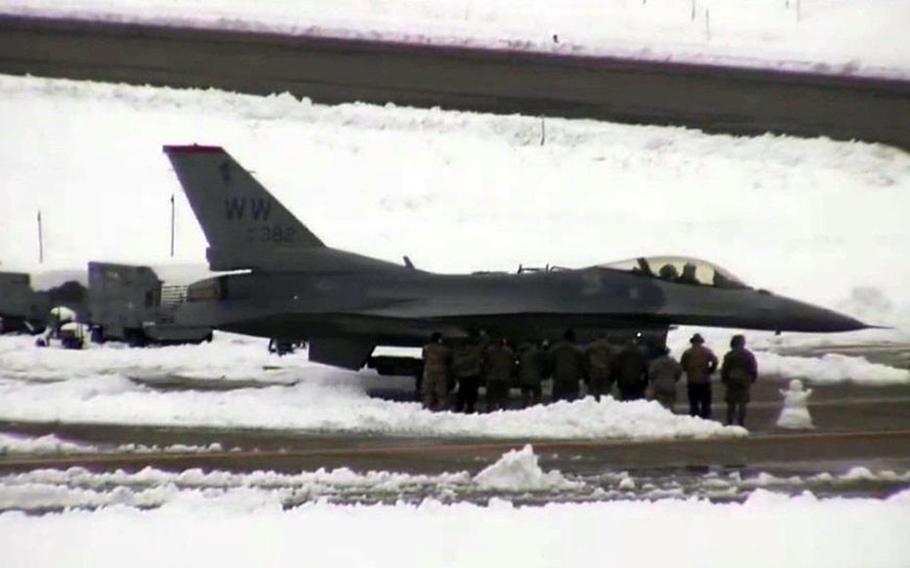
(236, 208)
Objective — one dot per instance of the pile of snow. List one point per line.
(77, 487)
(860, 473)
(42, 496)
(227, 357)
(856, 473)
(244, 527)
(518, 470)
(52, 444)
(791, 35)
(831, 368)
(214, 447)
(197, 478)
(48, 444)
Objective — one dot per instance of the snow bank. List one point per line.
(316, 405)
(789, 35)
(518, 470)
(49, 444)
(831, 368)
(857, 473)
(227, 357)
(109, 384)
(77, 487)
(243, 528)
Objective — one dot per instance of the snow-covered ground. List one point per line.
(243, 527)
(516, 475)
(829, 36)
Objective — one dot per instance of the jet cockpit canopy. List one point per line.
(679, 269)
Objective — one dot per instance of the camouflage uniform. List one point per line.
(738, 372)
(436, 360)
(631, 372)
(699, 363)
(532, 363)
(600, 355)
(467, 366)
(499, 369)
(663, 374)
(568, 362)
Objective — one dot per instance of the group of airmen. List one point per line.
(634, 370)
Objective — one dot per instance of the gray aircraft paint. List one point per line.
(344, 304)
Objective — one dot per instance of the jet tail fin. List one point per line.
(246, 227)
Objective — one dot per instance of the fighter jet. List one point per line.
(293, 285)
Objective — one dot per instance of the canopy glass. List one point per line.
(679, 269)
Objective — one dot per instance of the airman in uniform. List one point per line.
(663, 374)
(738, 371)
(568, 361)
(437, 359)
(699, 363)
(630, 367)
(467, 366)
(600, 354)
(532, 369)
(499, 369)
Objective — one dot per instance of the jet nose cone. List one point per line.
(840, 322)
(806, 317)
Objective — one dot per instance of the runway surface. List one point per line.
(717, 99)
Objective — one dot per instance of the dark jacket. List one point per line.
(467, 361)
(499, 363)
(739, 367)
(532, 365)
(699, 363)
(600, 355)
(630, 368)
(568, 362)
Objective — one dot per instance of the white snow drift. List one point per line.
(49, 444)
(519, 470)
(243, 528)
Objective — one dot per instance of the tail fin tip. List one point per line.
(191, 149)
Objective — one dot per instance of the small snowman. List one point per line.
(795, 415)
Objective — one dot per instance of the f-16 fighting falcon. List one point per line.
(344, 304)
